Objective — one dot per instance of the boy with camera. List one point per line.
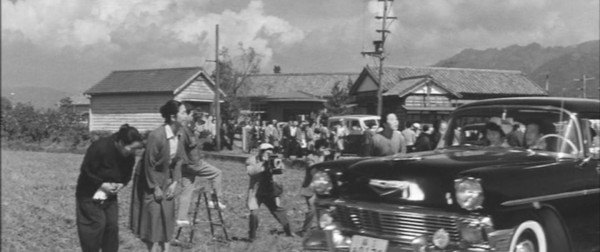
(264, 190)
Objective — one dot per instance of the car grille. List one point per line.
(398, 226)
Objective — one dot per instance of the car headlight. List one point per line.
(469, 193)
(321, 183)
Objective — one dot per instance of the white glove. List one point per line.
(99, 195)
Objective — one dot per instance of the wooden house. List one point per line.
(283, 96)
(425, 94)
(135, 96)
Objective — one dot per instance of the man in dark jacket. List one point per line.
(424, 142)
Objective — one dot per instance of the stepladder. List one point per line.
(215, 225)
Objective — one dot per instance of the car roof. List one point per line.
(578, 105)
(353, 117)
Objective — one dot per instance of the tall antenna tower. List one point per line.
(379, 51)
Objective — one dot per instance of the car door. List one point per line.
(583, 220)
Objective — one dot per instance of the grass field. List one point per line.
(38, 207)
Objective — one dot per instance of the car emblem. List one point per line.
(409, 190)
(385, 187)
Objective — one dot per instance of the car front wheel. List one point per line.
(529, 237)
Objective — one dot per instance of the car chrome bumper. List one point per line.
(492, 240)
(317, 240)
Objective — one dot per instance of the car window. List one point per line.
(591, 136)
(505, 127)
(370, 123)
(355, 125)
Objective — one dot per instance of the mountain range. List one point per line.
(556, 66)
(38, 97)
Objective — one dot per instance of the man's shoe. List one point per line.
(211, 204)
(182, 223)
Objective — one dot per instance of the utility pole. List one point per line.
(583, 80)
(379, 52)
(217, 92)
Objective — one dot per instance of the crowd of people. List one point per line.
(299, 138)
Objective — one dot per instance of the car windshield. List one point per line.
(537, 129)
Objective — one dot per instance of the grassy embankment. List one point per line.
(38, 207)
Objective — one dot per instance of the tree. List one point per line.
(234, 73)
(6, 104)
(337, 104)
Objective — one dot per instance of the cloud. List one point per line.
(147, 33)
(498, 23)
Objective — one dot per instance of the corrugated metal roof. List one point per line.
(463, 80)
(300, 84)
(148, 80)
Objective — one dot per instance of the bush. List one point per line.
(58, 128)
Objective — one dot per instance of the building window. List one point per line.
(258, 107)
(427, 101)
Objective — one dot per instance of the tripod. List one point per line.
(202, 193)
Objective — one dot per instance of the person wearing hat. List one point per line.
(264, 190)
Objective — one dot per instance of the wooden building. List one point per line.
(80, 104)
(425, 94)
(135, 96)
(283, 96)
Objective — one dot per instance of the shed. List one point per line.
(135, 96)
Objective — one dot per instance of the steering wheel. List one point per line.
(571, 144)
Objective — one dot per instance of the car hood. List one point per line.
(427, 178)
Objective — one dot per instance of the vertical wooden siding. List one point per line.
(196, 91)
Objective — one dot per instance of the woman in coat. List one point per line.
(388, 141)
(156, 177)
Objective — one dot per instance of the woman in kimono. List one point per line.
(155, 180)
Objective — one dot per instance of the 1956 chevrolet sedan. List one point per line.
(537, 191)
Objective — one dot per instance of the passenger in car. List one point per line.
(533, 135)
(515, 137)
(495, 135)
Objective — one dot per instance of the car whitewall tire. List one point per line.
(535, 228)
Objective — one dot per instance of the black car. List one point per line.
(539, 194)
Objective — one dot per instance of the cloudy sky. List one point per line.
(72, 44)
